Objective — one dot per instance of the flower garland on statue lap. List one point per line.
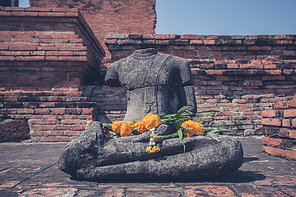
(181, 120)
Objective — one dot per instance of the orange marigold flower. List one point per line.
(127, 128)
(116, 125)
(193, 126)
(150, 150)
(141, 126)
(148, 122)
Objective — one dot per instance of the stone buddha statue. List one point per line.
(160, 84)
(154, 83)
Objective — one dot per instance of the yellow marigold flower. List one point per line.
(127, 128)
(150, 150)
(193, 126)
(141, 126)
(148, 122)
(152, 121)
(116, 125)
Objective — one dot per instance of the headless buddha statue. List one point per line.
(154, 83)
(160, 84)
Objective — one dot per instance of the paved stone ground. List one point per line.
(31, 170)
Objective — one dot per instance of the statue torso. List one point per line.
(151, 81)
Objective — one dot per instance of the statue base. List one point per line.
(91, 157)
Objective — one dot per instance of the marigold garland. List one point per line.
(116, 125)
(193, 126)
(127, 128)
(148, 122)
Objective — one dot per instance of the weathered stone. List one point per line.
(14, 130)
(154, 83)
(160, 84)
(92, 157)
(248, 132)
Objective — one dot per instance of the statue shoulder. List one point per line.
(117, 64)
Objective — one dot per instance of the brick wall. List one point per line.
(110, 16)
(235, 77)
(45, 48)
(279, 126)
(46, 55)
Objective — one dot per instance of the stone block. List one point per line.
(14, 130)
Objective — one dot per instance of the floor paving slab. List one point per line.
(30, 169)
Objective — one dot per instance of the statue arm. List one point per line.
(111, 77)
(187, 99)
(186, 91)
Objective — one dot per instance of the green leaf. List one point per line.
(188, 130)
(218, 131)
(180, 134)
(181, 137)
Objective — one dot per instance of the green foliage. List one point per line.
(238, 122)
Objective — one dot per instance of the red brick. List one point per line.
(55, 139)
(78, 127)
(209, 42)
(10, 99)
(292, 103)
(292, 133)
(58, 111)
(280, 105)
(286, 123)
(70, 121)
(274, 72)
(38, 9)
(24, 14)
(73, 58)
(47, 104)
(41, 127)
(54, 133)
(271, 122)
(280, 152)
(268, 113)
(42, 111)
(290, 113)
(214, 72)
(37, 133)
(72, 133)
(29, 58)
(273, 78)
(88, 111)
(57, 53)
(54, 14)
(248, 66)
(14, 8)
(253, 48)
(62, 127)
(25, 111)
(7, 58)
(271, 141)
(270, 66)
(208, 190)
(46, 121)
(293, 122)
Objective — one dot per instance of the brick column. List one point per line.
(279, 128)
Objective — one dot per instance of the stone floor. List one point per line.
(31, 170)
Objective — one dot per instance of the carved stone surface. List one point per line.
(154, 83)
(92, 157)
(160, 84)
